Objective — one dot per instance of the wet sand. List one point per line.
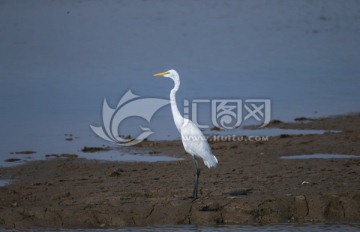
(250, 185)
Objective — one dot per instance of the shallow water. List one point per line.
(113, 156)
(4, 182)
(61, 59)
(271, 132)
(60, 146)
(321, 156)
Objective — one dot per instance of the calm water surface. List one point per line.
(59, 60)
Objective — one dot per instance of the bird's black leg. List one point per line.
(197, 174)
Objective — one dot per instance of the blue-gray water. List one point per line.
(60, 59)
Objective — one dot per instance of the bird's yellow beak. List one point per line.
(160, 74)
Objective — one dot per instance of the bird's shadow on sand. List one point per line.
(240, 192)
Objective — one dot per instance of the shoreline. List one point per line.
(251, 185)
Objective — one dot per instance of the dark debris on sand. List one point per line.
(251, 185)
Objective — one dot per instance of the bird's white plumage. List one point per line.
(195, 143)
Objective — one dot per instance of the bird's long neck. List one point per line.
(179, 120)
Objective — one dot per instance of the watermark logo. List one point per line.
(230, 113)
(258, 109)
(225, 114)
(130, 105)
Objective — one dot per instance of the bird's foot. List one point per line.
(194, 198)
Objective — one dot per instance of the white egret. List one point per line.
(194, 142)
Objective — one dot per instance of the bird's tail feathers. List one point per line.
(211, 162)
